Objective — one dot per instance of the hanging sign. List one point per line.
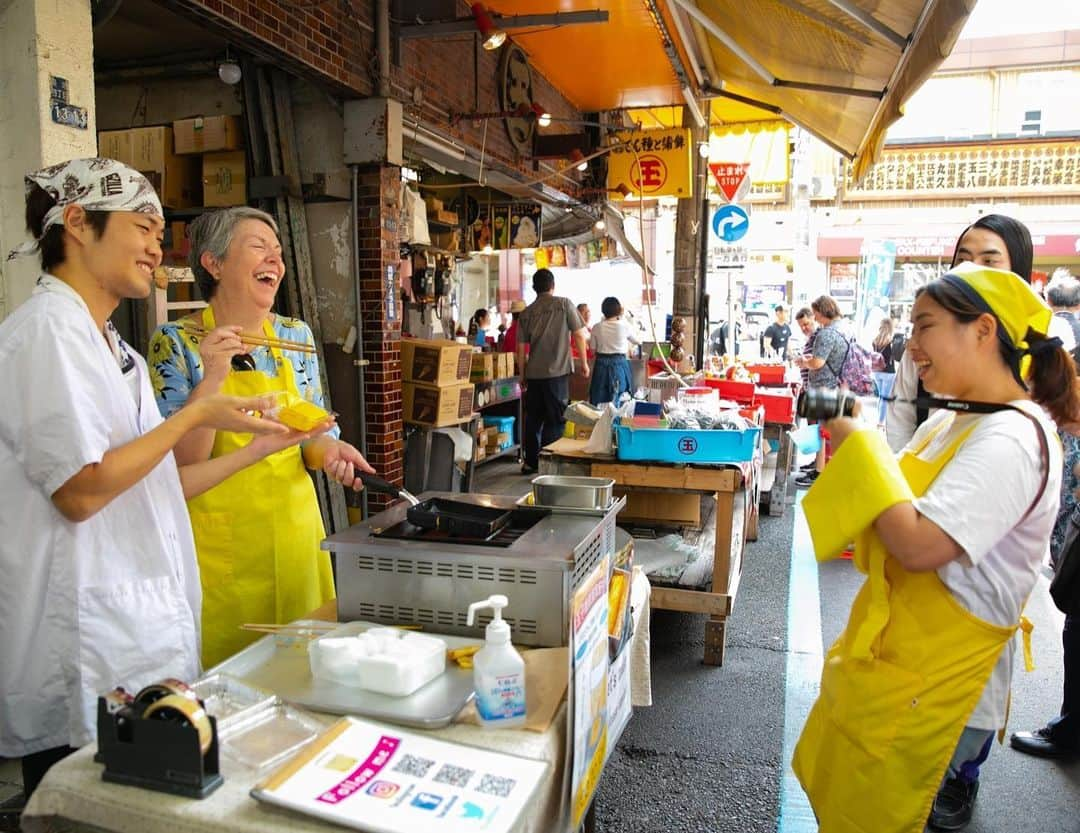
(730, 223)
(729, 177)
(651, 163)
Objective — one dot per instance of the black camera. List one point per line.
(826, 403)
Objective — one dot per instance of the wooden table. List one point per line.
(735, 523)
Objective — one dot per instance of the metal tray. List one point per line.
(618, 504)
(280, 664)
(457, 517)
(575, 492)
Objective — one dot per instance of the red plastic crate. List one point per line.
(755, 413)
(742, 392)
(779, 406)
(768, 374)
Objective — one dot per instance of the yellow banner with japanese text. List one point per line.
(651, 163)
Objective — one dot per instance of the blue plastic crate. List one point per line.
(504, 424)
(671, 445)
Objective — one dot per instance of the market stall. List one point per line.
(582, 679)
(666, 469)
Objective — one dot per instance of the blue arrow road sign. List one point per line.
(730, 223)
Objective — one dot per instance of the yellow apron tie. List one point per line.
(1026, 627)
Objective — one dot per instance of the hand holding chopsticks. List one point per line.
(254, 340)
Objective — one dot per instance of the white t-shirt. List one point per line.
(980, 499)
(612, 335)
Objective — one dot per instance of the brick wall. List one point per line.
(376, 219)
(333, 44)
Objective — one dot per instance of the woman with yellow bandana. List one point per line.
(951, 535)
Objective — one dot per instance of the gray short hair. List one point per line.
(1063, 291)
(213, 232)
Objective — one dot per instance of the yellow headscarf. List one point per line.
(1010, 299)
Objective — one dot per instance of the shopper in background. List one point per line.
(510, 337)
(546, 326)
(586, 314)
(777, 334)
(883, 379)
(478, 327)
(258, 534)
(611, 340)
(993, 240)
(825, 362)
(914, 689)
(101, 586)
(809, 327)
(1063, 295)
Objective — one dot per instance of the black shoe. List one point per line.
(811, 466)
(953, 805)
(805, 481)
(1040, 743)
(527, 469)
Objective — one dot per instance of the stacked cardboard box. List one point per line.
(435, 386)
(150, 151)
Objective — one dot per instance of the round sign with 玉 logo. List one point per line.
(687, 445)
(648, 174)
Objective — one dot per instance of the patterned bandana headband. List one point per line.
(96, 185)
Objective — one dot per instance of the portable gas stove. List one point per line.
(390, 571)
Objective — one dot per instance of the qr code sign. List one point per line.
(496, 785)
(455, 776)
(411, 765)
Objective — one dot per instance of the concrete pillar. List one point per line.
(38, 39)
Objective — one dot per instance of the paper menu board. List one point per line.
(373, 777)
(589, 635)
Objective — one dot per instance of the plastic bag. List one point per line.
(601, 440)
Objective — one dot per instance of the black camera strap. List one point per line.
(967, 406)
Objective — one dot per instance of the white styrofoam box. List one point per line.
(386, 660)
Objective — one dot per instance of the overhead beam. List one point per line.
(871, 23)
(834, 89)
(509, 23)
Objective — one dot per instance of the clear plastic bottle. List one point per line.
(498, 672)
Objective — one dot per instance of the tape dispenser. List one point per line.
(161, 739)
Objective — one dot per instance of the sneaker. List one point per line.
(805, 481)
(953, 805)
(527, 469)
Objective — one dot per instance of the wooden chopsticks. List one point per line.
(261, 341)
(291, 630)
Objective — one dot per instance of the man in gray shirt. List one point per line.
(547, 325)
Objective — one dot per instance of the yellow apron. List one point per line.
(902, 679)
(258, 533)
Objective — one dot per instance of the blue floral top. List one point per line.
(176, 366)
(1068, 499)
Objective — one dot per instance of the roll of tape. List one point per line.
(179, 709)
(163, 688)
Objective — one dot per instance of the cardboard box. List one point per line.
(443, 217)
(436, 407)
(504, 440)
(433, 203)
(661, 507)
(479, 452)
(483, 367)
(207, 133)
(224, 177)
(149, 150)
(435, 362)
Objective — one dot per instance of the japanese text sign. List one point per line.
(729, 177)
(651, 163)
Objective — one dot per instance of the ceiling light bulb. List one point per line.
(703, 150)
(487, 250)
(600, 225)
(229, 72)
(544, 119)
(495, 40)
(584, 166)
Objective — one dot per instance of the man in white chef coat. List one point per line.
(101, 586)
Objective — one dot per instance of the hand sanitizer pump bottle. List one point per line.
(498, 672)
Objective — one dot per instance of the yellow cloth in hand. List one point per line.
(861, 481)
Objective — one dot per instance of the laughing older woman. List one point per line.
(258, 533)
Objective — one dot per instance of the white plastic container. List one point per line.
(498, 672)
(385, 660)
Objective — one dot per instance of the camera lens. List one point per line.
(825, 403)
